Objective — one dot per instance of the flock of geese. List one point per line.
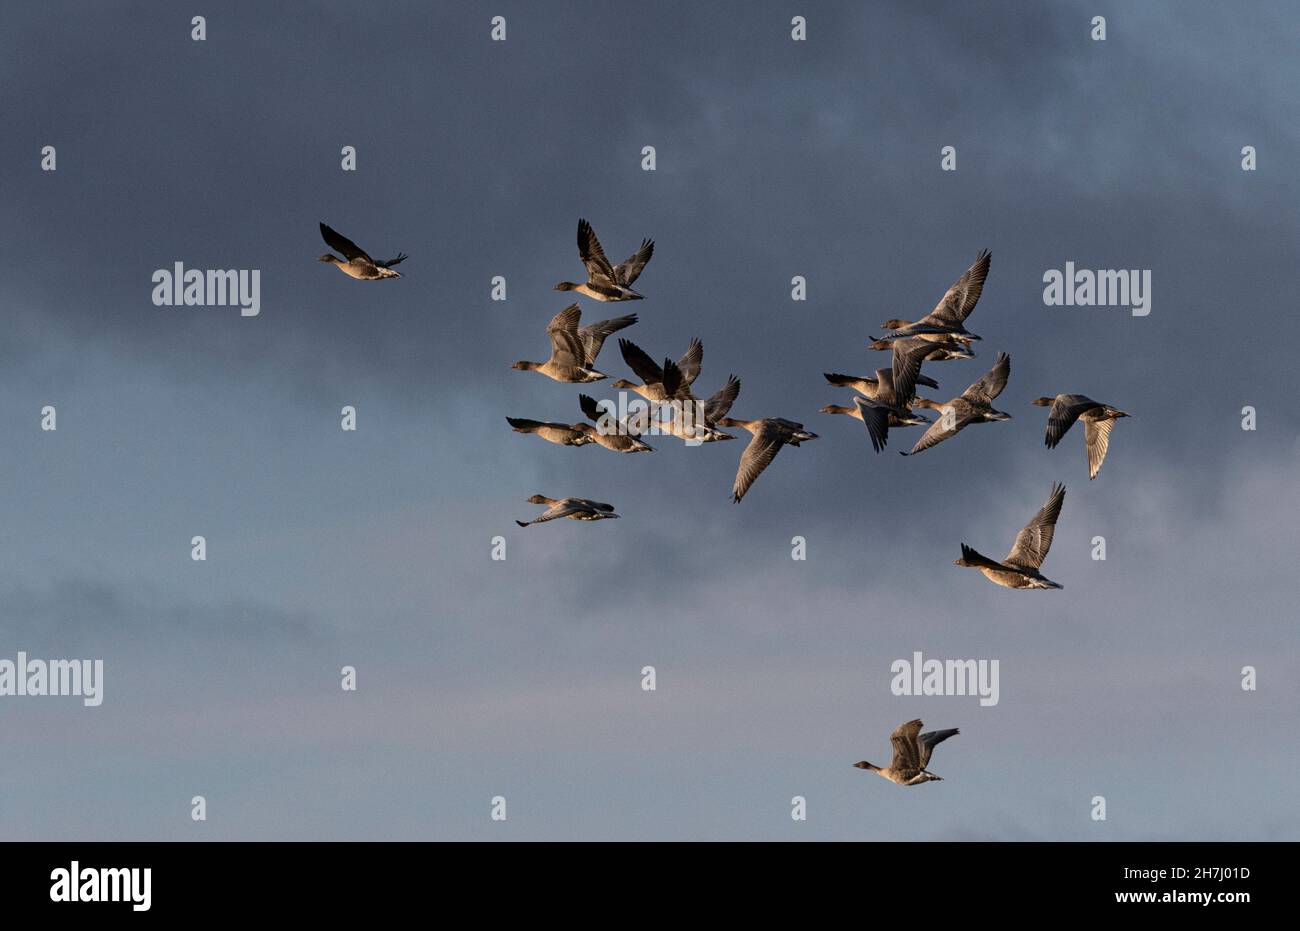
(885, 402)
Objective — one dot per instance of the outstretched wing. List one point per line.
(1064, 412)
(639, 362)
(1035, 540)
(593, 335)
(719, 405)
(593, 256)
(991, 385)
(566, 347)
(760, 452)
(948, 424)
(877, 421)
(1096, 436)
(340, 243)
(690, 361)
(906, 753)
(629, 271)
(401, 257)
(961, 298)
(928, 740)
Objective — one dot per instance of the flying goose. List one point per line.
(1097, 420)
(866, 385)
(574, 350)
(769, 435)
(974, 405)
(942, 353)
(889, 403)
(606, 283)
(609, 432)
(912, 751)
(697, 420)
(572, 508)
(1020, 568)
(358, 264)
(661, 383)
(949, 315)
(562, 434)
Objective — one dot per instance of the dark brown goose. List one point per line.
(1020, 568)
(356, 263)
(1097, 420)
(574, 349)
(974, 405)
(912, 751)
(605, 282)
(572, 508)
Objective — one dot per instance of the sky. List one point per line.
(521, 678)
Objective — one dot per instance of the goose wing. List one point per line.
(532, 426)
(639, 362)
(1035, 540)
(929, 739)
(719, 404)
(952, 418)
(907, 358)
(593, 256)
(690, 361)
(973, 556)
(627, 272)
(877, 422)
(907, 755)
(588, 504)
(991, 385)
(593, 335)
(1096, 436)
(1065, 410)
(566, 345)
(959, 300)
(762, 449)
(845, 381)
(401, 257)
(340, 243)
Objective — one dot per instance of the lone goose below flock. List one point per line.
(572, 508)
(912, 752)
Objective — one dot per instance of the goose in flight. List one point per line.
(609, 432)
(912, 751)
(572, 508)
(355, 262)
(942, 353)
(974, 405)
(697, 420)
(866, 386)
(562, 434)
(1097, 420)
(1020, 568)
(769, 435)
(661, 383)
(574, 350)
(947, 320)
(891, 395)
(605, 282)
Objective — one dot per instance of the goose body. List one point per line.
(614, 436)
(1097, 420)
(355, 262)
(1020, 568)
(562, 434)
(768, 436)
(607, 282)
(572, 508)
(660, 383)
(696, 421)
(574, 349)
(974, 405)
(912, 752)
(891, 394)
(947, 320)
